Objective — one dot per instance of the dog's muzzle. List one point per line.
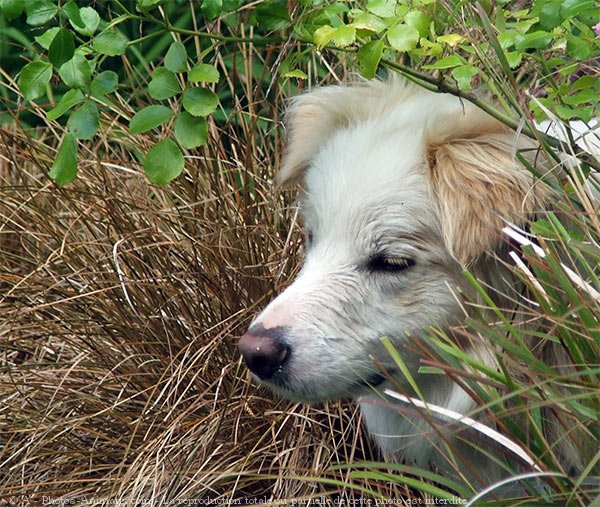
(264, 351)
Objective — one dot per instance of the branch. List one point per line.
(442, 86)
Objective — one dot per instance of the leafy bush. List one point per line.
(75, 77)
(74, 74)
(92, 93)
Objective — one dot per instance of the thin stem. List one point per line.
(146, 37)
(440, 85)
(260, 41)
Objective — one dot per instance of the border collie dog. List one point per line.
(401, 189)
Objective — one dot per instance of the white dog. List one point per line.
(402, 188)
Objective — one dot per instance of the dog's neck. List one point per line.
(407, 434)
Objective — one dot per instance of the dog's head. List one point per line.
(401, 188)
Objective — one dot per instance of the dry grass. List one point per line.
(121, 306)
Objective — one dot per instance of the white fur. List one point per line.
(391, 168)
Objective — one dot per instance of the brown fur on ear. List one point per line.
(479, 184)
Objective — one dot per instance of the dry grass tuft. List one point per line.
(121, 305)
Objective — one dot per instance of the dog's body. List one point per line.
(402, 188)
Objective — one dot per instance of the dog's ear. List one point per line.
(479, 184)
(312, 118)
(307, 126)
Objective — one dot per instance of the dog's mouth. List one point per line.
(373, 380)
(282, 385)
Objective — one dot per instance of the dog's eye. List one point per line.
(389, 264)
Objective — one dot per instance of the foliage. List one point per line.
(78, 45)
(72, 51)
(190, 92)
(474, 43)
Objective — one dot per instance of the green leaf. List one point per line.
(368, 21)
(464, 75)
(582, 97)
(566, 113)
(84, 122)
(507, 39)
(84, 20)
(91, 20)
(191, 131)
(297, 73)
(40, 12)
(34, 78)
(76, 73)
(163, 85)
(71, 10)
(584, 82)
(69, 100)
(47, 37)
(523, 26)
(322, 35)
(62, 48)
(534, 40)
(343, 36)
(586, 113)
(64, 168)
(403, 37)
(446, 63)
(164, 162)
(148, 118)
(204, 73)
(111, 43)
(145, 5)
(514, 58)
(535, 106)
(7, 119)
(368, 57)
(272, 15)
(383, 8)
(105, 82)
(550, 15)
(572, 8)
(176, 58)
(452, 39)
(200, 101)
(12, 9)
(211, 8)
(577, 48)
(429, 48)
(418, 20)
(232, 5)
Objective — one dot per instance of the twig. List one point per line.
(442, 86)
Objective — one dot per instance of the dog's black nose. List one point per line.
(263, 351)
